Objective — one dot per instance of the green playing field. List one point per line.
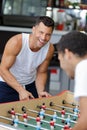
(45, 125)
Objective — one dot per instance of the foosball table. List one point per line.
(58, 112)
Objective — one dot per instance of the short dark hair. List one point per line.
(74, 41)
(47, 21)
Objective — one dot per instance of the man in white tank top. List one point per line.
(25, 61)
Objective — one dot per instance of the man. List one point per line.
(72, 54)
(25, 63)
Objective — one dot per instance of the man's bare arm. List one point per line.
(12, 49)
(42, 73)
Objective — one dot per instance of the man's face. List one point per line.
(42, 34)
(66, 64)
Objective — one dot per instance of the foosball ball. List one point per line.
(58, 112)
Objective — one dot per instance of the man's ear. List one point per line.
(66, 51)
(33, 29)
(68, 54)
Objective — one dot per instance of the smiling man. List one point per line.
(25, 61)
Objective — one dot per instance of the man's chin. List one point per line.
(70, 76)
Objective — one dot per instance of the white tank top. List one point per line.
(24, 68)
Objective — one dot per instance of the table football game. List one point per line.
(53, 113)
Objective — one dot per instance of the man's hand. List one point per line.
(25, 95)
(44, 94)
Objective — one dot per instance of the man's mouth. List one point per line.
(41, 41)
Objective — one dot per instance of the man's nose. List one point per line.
(43, 36)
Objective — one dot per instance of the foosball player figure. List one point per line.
(54, 116)
(38, 120)
(43, 107)
(16, 121)
(25, 117)
(66, 126)
(75, 117)
(76, 110)
(41, 114)
(12, 112)
(63, 114)
(52, 124)
(68, 120)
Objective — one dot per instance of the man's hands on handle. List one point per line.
(44, 94)
(25, 95)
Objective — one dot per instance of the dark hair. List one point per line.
(47, 21)
(74, 41)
